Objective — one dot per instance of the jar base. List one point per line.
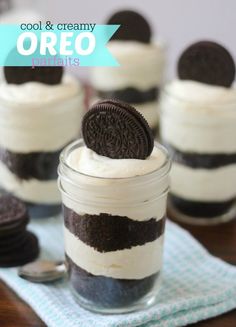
(144, 303)
(177, 215)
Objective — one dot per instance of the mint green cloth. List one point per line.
(195, 286)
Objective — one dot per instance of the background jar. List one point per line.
(32, 135)
(201, 140)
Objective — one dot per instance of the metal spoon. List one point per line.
(43, 271)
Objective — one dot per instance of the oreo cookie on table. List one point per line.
(133, 26)
(207, 62)
(17, 245)
(13, 212)
(116, 130)
(24, 253)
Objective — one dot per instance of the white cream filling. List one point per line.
(104, 185)
(32, 190)
(86, 161)
(135, 263)
(141, 67)
(35, 117)
(197, 117)
(203, 184)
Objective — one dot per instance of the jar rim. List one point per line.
(163, 169)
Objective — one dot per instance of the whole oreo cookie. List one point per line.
(13, 212)
(207, 62)
(46, 75)
(133, 26)
(26, 252)
(116, 130)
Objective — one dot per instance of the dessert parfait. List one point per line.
(39, 113)
(198, 127)
(138, 79)
(114, 185)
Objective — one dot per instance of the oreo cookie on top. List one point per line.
(22, 74)
(116, 130)
(133, 26)
(46, 75)
(207, 62)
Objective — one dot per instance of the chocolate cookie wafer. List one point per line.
(117, 130)
(207, 62)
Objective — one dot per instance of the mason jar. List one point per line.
(200, 137)
(36, 122)
(114, 233)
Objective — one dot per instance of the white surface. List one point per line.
(135, 263)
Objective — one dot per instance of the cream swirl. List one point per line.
(198, 117)
(125, 187)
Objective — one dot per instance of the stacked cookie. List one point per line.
(17, 245)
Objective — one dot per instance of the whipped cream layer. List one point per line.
(141, 67)
(36, 117)
(86, 161)
(198, 117)
(32, 190)
(133, 188)
(205, 185)
(135, 263)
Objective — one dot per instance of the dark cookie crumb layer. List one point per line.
(201, 209)
(39, 165)
(106, 291)
(131, 95)
(115, 232)
(198, 160)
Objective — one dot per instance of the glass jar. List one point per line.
(32, 135)
(200, 138)
(114, 232)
